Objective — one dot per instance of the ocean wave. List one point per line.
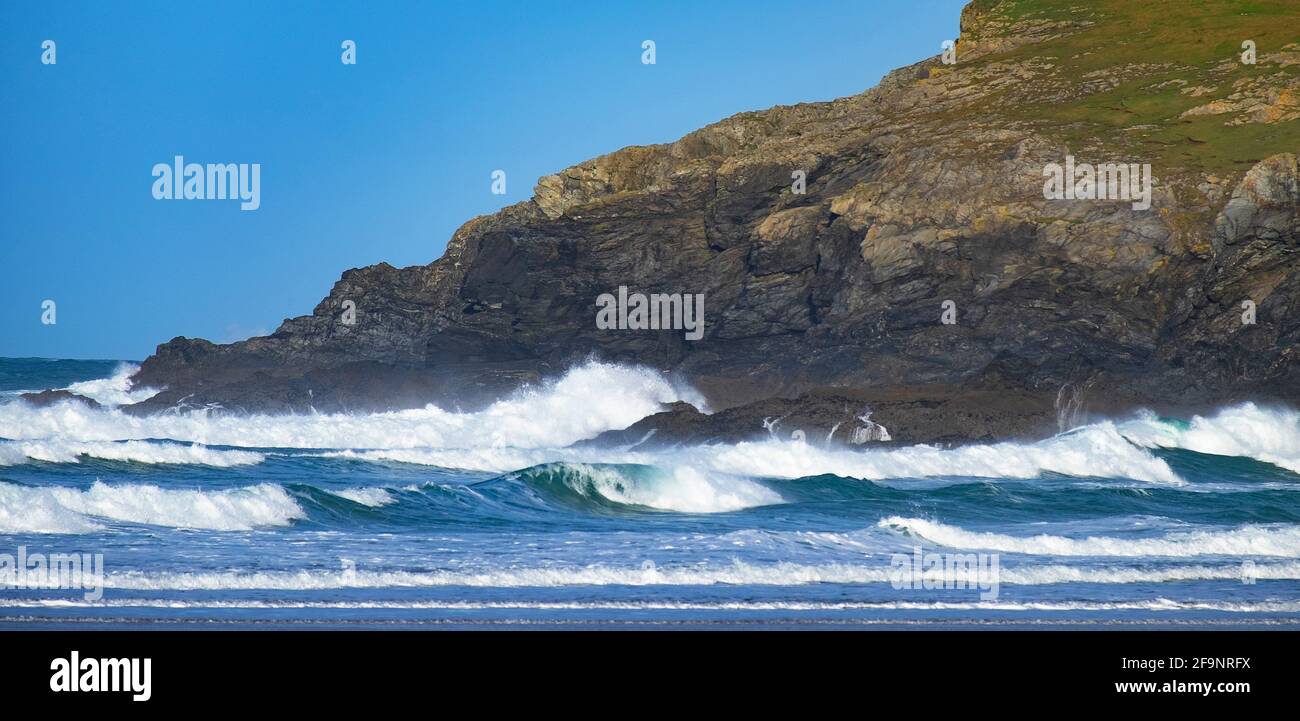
(24, 510)
(1160, 605)
(537, 425)
(372, 497)
(11, 454)
(52, 509)
(737, 573)
(61, 451)
(681, 489)
(115, 390)
(1097, 451)
(585, 401)
(1249, 540)
(1094, 452)
(490, 460)
(1271, 435)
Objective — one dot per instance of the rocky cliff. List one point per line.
(925, 189)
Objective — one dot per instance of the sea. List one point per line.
(441, 518)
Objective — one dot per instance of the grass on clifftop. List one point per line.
(1150, 45)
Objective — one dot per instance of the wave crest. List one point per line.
(60, 451)
(54, 509)
(1097, 451)
(1248, 540)
(115, 390)
(1269, 435)
(737, 573)
(584, 402)
(681, 489)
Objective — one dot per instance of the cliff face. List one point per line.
(928, 188)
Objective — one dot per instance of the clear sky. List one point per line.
(377, 161)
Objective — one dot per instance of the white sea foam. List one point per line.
(373, 497)
(28, 510)
(671, 487)
(57, 509)
(587, 400)
(1155, 605)
(492, 460)
(737, 573)
(1096, 451)
(1162, 605)
(115, 390)
(681, 489)
(1248, 540)
(11, 454)
(63, 451)
(535, 426)
(1271, 435)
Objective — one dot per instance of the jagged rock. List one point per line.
(1265, 202)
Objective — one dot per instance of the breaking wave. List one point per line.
(737, 573)
(1143, 513)
(115, 390)
(1097, 451)
(54, 509)
(1094, 452)
(1158, 605)
(1248, 540)
(585, 401)
(1269, 435)
(61, 451)
(682, 489)
(372, 497)
(536, 425)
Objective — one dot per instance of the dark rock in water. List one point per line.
(854, 417)
(677, 423)
(920, 271)
(50, 397)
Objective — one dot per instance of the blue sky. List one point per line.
(377, 161)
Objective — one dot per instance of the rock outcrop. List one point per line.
(850, 417)
(924, 203)
(48, 398)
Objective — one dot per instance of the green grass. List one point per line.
(1171, 40)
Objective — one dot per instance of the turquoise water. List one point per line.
(441, 517)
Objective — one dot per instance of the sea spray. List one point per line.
(585, 401)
